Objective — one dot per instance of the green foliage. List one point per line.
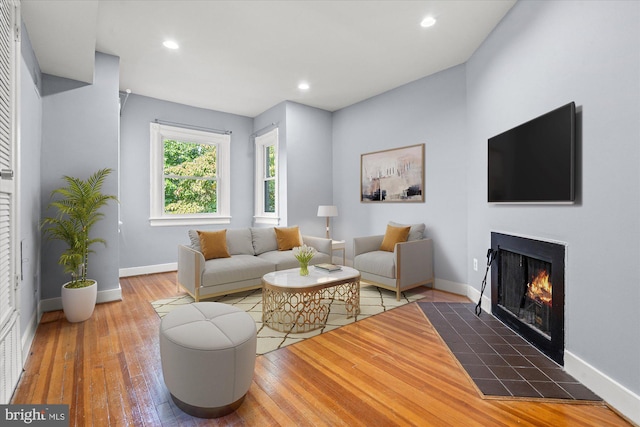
(80, 284)
(190, 184)
(271, 160)
(270, 196)
(77, 212)
(270, 185)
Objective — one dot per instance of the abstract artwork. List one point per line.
(395, 175)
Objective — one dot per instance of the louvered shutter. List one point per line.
(10, 359)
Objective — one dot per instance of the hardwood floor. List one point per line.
(390, 369)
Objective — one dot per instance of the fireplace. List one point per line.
(527, 290)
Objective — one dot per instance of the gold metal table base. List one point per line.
(304, 310)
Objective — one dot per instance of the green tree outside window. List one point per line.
(190, 178)
(270, 179)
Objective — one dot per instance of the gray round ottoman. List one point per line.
(208, 353)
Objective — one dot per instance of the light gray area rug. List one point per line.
(373, 300)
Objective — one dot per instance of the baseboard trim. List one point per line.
(474, 295)
(449, 286)
(620, 398)
(148, 269)
(463, 289)
(30, 334)
(54, 304)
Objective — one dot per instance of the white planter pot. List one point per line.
(78, 303)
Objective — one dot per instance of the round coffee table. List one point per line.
(294, 303)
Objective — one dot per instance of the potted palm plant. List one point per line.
(77, 205)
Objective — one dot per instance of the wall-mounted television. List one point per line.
(535, 161)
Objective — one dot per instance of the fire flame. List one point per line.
(539, 289)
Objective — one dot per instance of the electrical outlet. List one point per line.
(475, 264)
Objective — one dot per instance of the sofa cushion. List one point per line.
(264, 240)
(284, 260)
(239, 241)
(416, 232)
(288, 238)
(394, 235)
(195, 240)
(381, 263)
(214, 244)
(235, 269)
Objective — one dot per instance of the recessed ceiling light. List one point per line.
(304, 86)
(427, 22)
(170, 44)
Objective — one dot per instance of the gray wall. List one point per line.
(432, 111)
(80, 136)
(29, 189)
(309, 167)
(276, 116)
(305, 166)
(140, 244)
(543, 55)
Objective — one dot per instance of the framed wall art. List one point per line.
(395, 175)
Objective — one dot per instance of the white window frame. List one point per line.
(159, 133)
(261, 142)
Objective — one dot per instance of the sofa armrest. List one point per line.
(414, 262)
(320, 244)
(190, 268)
(366, 244)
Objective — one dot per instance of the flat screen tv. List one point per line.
(535, 161)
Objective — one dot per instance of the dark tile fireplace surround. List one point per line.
(527, 293)
(527, 290)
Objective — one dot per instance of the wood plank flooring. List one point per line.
(390, 369)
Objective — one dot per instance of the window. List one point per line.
(189, 176)
(266, 186)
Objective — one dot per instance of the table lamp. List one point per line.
(327, 211)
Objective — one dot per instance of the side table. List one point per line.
(339, 245)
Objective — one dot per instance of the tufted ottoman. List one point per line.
(208, 353)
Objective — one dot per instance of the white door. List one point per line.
(10, 351)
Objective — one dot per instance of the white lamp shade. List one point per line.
(327, 210)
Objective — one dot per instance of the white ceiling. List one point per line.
(244, 57)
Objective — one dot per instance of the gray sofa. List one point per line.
(254, 253)
(409, 265)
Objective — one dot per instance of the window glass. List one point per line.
(270, 179)
(190, 176)
(190, 182)
(266, 187)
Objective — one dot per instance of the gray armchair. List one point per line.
(409, 265)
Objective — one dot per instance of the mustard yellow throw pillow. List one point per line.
(287, 238)
(392, 236)
(213, 244)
